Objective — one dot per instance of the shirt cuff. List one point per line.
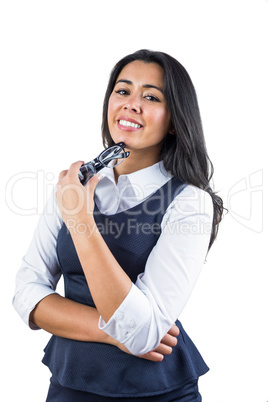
(127, 321)
(24, 307)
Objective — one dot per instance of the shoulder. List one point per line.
(190, 202)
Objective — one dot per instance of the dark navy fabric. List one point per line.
(57, 393)
(101, 368)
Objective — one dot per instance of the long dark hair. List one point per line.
(183, 153)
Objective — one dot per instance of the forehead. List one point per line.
(144, 73)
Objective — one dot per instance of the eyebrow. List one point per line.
(144, 86)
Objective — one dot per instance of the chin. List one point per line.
(130, 141)
(119, 138)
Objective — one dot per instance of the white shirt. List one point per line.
(159, 295)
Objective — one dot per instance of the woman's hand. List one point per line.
(75, 201)
(164, 348)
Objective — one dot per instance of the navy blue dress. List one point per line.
(104, 369)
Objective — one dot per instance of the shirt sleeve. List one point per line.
(39, 272)
(159, 295)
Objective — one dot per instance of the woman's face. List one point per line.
(137, 112)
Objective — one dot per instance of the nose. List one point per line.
(133, 105)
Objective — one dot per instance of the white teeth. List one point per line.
(128, 124)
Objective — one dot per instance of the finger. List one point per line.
(163, 349)
(174, 330)
(169, 340)
(74, 169)
(62, 174)
(92, 183)
(153, 356)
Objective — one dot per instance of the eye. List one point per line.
(152, 98)
(121, 92)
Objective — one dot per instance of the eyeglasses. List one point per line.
(115, 153)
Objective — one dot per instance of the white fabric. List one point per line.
(159, 295)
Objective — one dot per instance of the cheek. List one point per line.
(110, 109)
(162, 120)
(113, 109)
(112, 115)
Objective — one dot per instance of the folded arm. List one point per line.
(171, 272)
(68, 319)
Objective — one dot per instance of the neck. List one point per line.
(137, 160)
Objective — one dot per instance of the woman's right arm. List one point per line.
(38, 304)
(36, 300)
(68, 319)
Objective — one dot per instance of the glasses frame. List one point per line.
(91, 168)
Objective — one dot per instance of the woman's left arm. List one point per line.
(138, 315)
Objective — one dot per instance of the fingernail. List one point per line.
(99, 176)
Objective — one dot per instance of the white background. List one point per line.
(56, 57)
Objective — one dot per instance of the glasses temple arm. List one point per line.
(119, 156)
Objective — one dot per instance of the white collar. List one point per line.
(148, 179)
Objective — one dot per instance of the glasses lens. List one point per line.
(114, 153)
(86, 172)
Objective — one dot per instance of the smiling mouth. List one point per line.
(126, 123)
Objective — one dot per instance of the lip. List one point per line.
(124, 128)
(129, 119)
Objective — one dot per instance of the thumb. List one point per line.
(93, 182)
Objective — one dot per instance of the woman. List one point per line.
(136, 236)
